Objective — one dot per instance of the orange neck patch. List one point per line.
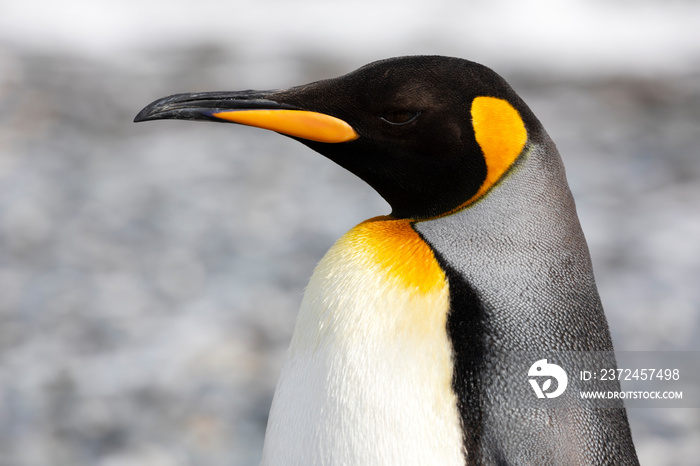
(396, 247)
(501, 134)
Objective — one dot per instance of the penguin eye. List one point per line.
(400, 117)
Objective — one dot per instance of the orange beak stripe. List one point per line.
(298, 123)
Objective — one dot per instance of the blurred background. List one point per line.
(150, 274)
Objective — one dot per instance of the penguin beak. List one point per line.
(250, 108)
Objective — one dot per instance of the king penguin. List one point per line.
(397, 356)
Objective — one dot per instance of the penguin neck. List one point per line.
(521, 248)
(520, 283)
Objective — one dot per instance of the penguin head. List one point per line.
(430, 134)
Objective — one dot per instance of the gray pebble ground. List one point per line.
(150, 274)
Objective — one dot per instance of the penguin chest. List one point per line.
(368, 375)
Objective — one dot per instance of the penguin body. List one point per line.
(411, 332)
(373, 384)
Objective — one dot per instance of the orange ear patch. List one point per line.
(501, 134)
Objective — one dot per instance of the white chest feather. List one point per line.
(368, 375)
